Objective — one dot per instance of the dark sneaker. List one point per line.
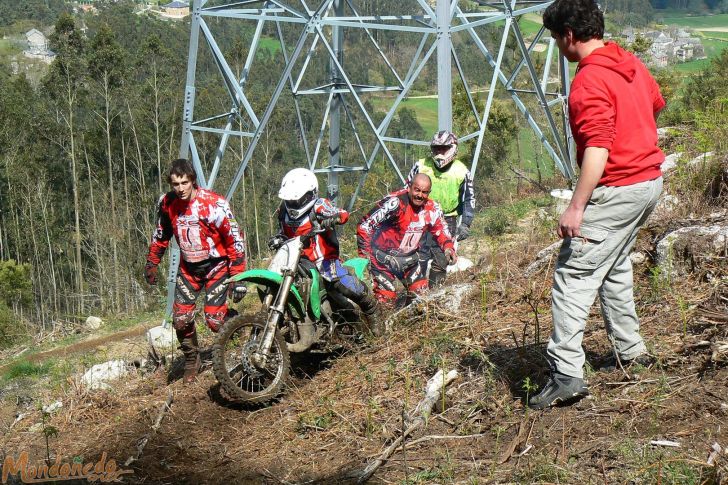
(559, 388)
(645, 360)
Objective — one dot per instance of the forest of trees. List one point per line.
(83, 156)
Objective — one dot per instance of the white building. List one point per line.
(38, 46)
(175, 10)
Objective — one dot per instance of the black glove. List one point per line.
(463, 232)
(328, 223)
(150, 273)
(398, 264)
(276, 242)
(237, 291)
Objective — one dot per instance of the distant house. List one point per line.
(685, 52)
(38, 46)
(37, 41)
(629, 35)
(175, 10)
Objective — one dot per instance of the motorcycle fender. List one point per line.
(266, 277)
(359, 265)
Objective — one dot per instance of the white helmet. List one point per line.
(299, 191)
(444, 146)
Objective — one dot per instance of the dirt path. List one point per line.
(84, 345)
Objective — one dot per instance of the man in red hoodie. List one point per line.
(613, 106)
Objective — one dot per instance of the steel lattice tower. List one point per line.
(319, 27)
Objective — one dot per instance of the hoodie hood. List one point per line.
(612, 57)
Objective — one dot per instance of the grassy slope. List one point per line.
(694, 21)
(337, 418)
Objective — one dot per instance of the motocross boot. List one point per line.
(437, 276)
(188, 346)
(373, 316)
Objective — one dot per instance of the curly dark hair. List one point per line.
(583, 17)
(181, 167)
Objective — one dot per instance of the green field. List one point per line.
(713, 48)
(695, 22)
(273, 45)
(426, 109)
(9, 48)
(715, 35)
(714, 42)
(530, 25)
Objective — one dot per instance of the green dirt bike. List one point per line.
(250, 355)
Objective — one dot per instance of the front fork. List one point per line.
(275, 316)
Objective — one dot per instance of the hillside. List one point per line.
(78, 184)
(341, 410)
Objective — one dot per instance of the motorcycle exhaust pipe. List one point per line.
(307, 337)
(309, 334)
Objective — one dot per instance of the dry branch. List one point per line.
(525, 177)
(432, 392)
(542, 258)
(157, 422)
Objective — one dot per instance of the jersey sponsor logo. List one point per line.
(390, 205)
(189, 238)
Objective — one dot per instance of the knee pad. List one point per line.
(215, 320)
(418, 286)
(183, 320)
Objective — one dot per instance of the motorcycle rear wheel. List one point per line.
(233, 368)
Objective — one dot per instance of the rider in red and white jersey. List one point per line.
(212, 249)
(391, 233)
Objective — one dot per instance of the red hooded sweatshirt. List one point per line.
(613, 104)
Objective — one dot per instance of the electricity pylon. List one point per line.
(318, 28)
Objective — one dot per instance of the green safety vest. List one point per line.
(445, 185)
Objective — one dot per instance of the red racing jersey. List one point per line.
(204, 228)
(322, 246)
(396, 227)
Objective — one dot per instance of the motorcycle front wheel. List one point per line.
(233, 365)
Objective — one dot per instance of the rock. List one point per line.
(162, 338)
(667, 203)
(665, 206)
(663, 132)
(449, 297)
(705, 157)
(670, 162)
(99, 376)
(543, 214)
(687, 248)
(53, 407)
(637, 258)
(93, 323)
(463, 264)
(36, 428)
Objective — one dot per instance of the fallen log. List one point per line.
(422, 412)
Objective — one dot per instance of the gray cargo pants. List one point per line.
(598, 262)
